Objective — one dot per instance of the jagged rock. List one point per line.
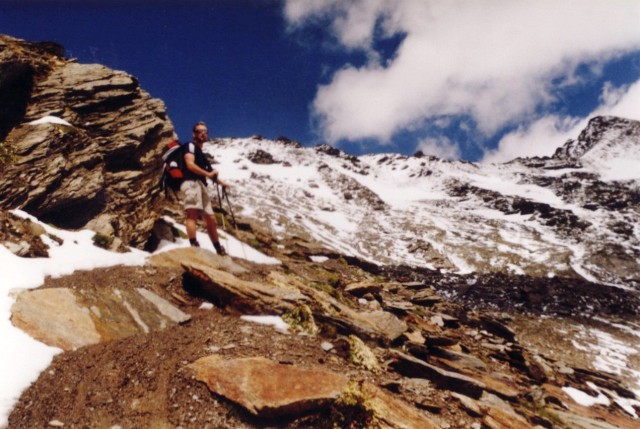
(377, 325)
(262, 157)
(468, 404)
(462, 360)
(497, 328)
(22, 236)
(498, 414)
(267, 388)
(426, 297)
(106, 162)
(70, 319)
(362, 288)
(400, 308)
(412, 367)
(241, 295)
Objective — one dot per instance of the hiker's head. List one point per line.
(200, 132)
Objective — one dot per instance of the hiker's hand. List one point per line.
(212, 174)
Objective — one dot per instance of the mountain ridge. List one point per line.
(565, 215)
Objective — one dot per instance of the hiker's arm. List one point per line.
(190, 163)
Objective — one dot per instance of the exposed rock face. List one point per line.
(101, 172)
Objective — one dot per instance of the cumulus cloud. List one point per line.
(496, 62)
(441, 147)
(540, 138)
(543, 136)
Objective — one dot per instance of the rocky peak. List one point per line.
(602, 131)
(97, 164)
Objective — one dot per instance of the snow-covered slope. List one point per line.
(575, 214)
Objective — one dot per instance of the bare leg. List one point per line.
(212, 227)
(192, 219)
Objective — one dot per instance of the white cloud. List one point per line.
(623, 101)
(441, 147)
(543, 136)
(496, 61)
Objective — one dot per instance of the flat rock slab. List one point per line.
(69, 319)
(394, 413)
(176, 257)
(412, 367)
(266, 388)
(55, 317)
(242, 295)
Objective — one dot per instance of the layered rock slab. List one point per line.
(267, 388)
(69, 319)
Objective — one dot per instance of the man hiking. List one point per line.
(194, 188)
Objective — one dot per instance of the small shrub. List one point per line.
(102, 240)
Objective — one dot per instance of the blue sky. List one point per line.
(477, 80)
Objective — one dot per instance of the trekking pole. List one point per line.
(235, 224)
(233, 218)
(219, 198)
(224, 225)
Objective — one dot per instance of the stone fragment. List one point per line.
(394, 413)
(468, 404)
(497, 328)
(397, 307)
(426, 297)
(326, 346)
(243, 296)
(164, 307)
(362, 288)
(414, 337)
(266, 388)
(413, 367)
(498, 414)
(463, 360)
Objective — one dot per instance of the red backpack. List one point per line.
(173, 167)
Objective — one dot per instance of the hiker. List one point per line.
(194, 188)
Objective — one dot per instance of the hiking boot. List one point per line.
(219, 249)
(194, 242)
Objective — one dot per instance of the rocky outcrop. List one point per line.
(97, 168)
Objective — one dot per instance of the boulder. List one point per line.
(241, 295)
(269, 389)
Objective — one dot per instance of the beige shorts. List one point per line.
(195, 196)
